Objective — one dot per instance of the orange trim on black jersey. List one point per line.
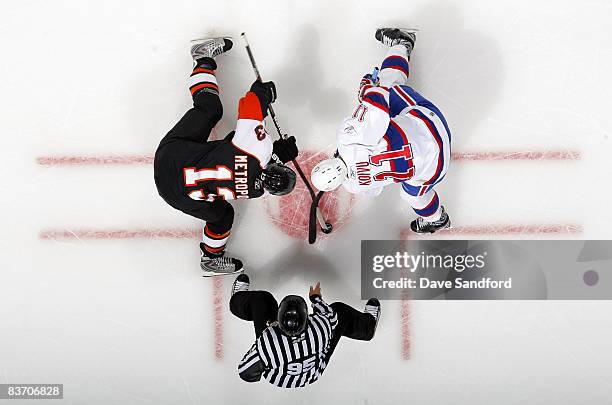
(213, 235)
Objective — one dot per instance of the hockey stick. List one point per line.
(315, 212)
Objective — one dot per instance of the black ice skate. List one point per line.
(397, 36)
(210, 47)
(242, 283)
(373, 308)
(419, 225)
(219, 266)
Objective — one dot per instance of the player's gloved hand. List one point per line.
(265, 92)
(366, 83)
(285, 149)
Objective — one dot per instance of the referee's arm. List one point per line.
(321, 307)
(251, 367)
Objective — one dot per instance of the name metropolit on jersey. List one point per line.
(241, 178)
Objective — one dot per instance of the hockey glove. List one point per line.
(265, 92)
(285, 149)
(367, 82)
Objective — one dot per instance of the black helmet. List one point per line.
(278, 179)
(292, 315)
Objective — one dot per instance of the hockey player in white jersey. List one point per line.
(394, 135)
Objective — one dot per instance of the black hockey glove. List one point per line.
(265, 92)
(285, 149)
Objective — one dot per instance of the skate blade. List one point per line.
(198, 41)
(411, 30)
(449, 226)
(206, 273)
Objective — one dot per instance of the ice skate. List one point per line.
(210, 47)
(219, 266)
(242, 283)
(373, 308)
(397, 36)
(420, 225)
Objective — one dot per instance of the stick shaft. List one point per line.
(258, 75)
(313, 195)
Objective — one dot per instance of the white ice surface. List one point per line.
(131, 321)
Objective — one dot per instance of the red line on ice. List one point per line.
(172, 233)
(405, 319)
(504, 229)
(105, 160)
(218, 316)
(132, 160)
(517, 155)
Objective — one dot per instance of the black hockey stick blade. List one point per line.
(312, 219)
(326, 227)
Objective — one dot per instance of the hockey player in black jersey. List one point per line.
(293, 348)
(198, 177)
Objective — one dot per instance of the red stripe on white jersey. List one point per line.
(377, 105)
(404, 96)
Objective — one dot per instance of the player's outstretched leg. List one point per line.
(219, 217)
(203, 80)
(432, 216)
(395, 67)
(397, 36)
(212, 248)
(213, 261)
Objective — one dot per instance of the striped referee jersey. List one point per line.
(291, 362)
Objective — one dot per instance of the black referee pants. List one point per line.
(352, 324)
(257, 306)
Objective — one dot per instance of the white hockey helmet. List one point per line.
(329, 174)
